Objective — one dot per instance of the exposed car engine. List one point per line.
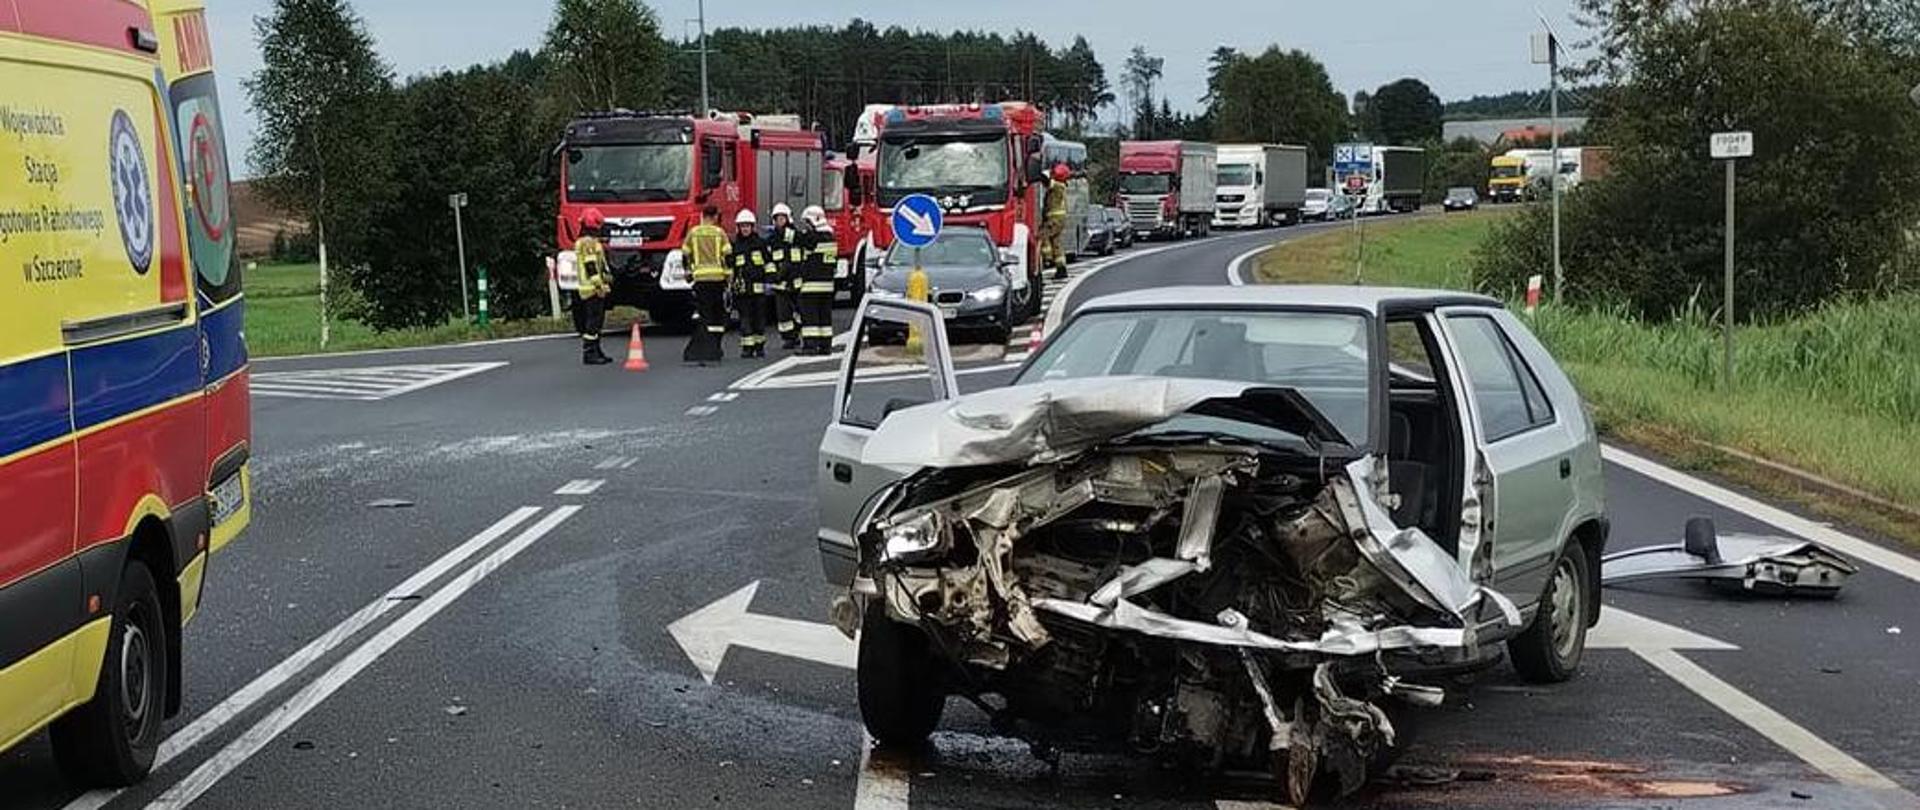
(1217, 601)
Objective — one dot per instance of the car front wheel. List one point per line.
(898, 680)
(1550, 649)
(111, 740)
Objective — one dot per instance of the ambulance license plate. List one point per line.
(228, 497)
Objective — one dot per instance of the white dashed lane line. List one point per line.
(581, 486)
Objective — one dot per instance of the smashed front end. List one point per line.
(1096, 578)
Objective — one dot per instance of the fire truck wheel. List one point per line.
(111, 740)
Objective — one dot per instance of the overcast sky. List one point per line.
(1364, 43)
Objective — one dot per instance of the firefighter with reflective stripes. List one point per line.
(820, 252)
(1054, 227)
(752, 277)
(596, 281)
(783, 245)
(707, 249)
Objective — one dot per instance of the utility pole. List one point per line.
(1550, 44)
(706, 103)
(457, 202)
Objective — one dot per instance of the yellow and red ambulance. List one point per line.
(124, 414)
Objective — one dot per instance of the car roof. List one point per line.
(1280, 296)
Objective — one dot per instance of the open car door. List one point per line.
(898, 357)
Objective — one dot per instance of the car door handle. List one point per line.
(843, 473)
(1566, 468)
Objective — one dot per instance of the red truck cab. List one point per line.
(847, 190)
(982, 162)
(651, 174)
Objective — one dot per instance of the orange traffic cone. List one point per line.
(636, 353)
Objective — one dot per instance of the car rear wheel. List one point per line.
(898, 679)
(110, 741)
(1550, 649)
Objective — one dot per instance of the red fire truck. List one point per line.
(650, 174)
(982, 162)
(848, 189)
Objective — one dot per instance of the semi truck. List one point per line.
(651, 173)
(1521, 174)
(1507, 179)
(984, 162)
(1399, 180)
(1260, 184)
(1167, 188)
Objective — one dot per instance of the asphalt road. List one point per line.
(518, 634)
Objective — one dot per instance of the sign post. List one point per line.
(917, 221)
(1730, 147)
(457, 202)
(1353, 165)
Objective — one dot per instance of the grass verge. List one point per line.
(1835, 393)
(283, 317)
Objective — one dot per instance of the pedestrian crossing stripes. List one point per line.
(367, 384)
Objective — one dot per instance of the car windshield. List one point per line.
(1460, 193)
(630, 172)
(960, 248)
(914, 165)
(1509, 171)
(1236, 174)
(1145, 183)
(1322, 355)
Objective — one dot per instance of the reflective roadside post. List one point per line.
(1729, 147)
(480, 288)
(918, 289)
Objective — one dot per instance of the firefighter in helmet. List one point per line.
(596, 281)
(783, 246)
(1054, 227)
(821, 252)
(707, 250)
(752, 281)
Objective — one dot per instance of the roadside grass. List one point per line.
(283, 317)
(1834, 393)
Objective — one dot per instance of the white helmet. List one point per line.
(783, 210)
(815, 216)
(745, 217)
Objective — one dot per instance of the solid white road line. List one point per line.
(291, 667)
(581, 486)
(1236, 804)
(286, 714)
(1771, 724)
(885, 782)
(1871, 553)
(1233, 267)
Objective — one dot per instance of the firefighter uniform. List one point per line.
(821, 252)
(1054, 227)
(783, 245)
(590, 303)
(707, 252)
(752, 281)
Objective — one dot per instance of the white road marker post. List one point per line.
(1729, 147)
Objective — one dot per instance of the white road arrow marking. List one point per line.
(706, 634)
(922, 223)
(1660, 645)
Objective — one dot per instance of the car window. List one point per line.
(1322, 355)
(967, 248)
(1507, 396)
(1407, 351)
(890, 371)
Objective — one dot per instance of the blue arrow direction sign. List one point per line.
(917, 220)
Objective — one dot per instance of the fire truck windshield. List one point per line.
(1145, 183)
(629, 172)
(958, 165)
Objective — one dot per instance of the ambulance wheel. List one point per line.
(111, 740)
(898, 680)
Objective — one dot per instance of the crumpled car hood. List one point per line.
(1042, 422)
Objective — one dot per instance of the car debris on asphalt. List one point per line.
(1752, 563)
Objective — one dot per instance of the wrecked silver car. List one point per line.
(1227, 532)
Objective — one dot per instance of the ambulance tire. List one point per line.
(111, 740)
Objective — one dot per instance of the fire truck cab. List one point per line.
(651, 174)
(982, 162)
